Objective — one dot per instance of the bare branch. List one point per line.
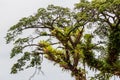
(31, 45)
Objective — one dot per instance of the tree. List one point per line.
(63, 39)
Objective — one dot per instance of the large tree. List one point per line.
(62, 36)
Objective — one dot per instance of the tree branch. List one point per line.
(79, 36)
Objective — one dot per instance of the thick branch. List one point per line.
(79, 36)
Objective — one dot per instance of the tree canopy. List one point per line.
(68, 38)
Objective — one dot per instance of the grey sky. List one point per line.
(10, 12)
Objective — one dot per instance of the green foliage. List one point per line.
(63, 39)
(34, 61)
(21, 41)
(21, 62)
(16, 50)
(101, 76)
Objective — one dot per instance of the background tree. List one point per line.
(62, 37)
(106, 19)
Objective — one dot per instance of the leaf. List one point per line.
(16, 50)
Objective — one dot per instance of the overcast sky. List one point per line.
(10, 13)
